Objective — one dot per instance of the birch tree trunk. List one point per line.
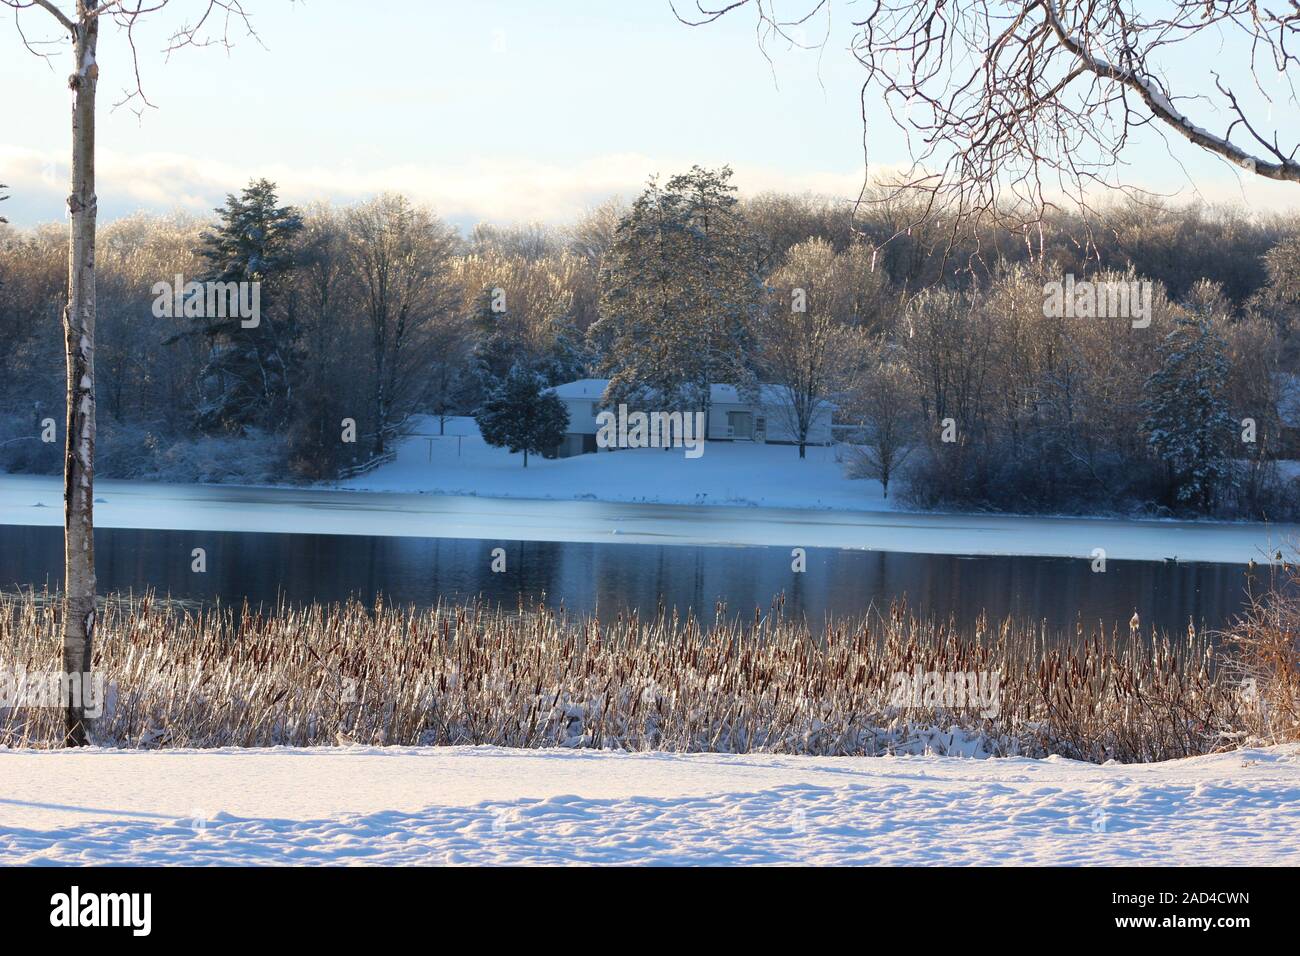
(79, 348)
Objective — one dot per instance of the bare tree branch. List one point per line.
(1008, 106)
(213, 26)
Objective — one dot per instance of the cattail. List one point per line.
(188, 676)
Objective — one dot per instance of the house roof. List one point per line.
(591, 389)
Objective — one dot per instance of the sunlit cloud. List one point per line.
(492, 190)
(497, 190)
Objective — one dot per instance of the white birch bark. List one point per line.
(79, 346)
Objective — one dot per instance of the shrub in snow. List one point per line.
(521, 416)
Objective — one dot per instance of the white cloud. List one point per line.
(492, 189)
(497, 190)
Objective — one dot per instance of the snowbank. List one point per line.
(486, 805)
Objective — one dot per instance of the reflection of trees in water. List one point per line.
(614, 578)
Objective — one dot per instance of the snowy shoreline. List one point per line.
(487, 805)
(37, 501)
(737, 494)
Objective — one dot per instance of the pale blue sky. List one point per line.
(495, 109)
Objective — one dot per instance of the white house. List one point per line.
(768, 419)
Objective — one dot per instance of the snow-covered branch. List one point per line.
(1163, 108)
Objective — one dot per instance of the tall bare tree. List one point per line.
(81, 27)
(885, 407)
(809, 341)
(402, 257)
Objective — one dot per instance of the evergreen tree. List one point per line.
(681, 294)
(249, 372)
(521, 416)
(500, 345)
(1187, 421)
(496, 346)
(567, 358)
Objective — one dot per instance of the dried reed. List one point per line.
(321, 674)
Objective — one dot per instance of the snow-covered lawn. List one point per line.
(488, 805)
(728, 473)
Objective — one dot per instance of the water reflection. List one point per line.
(614, 578)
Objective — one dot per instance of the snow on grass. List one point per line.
(488, 805)
(728, 473)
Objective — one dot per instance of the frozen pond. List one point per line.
(143, 505)
(266, 543)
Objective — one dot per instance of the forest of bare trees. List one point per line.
(378, 311)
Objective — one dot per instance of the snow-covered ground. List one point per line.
(728, 473)
(488, 805)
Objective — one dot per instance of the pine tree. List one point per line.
(249, 373)
(495, 345)
(1187, 421)
(523, 311)
(522, 416)
(680, 294)
(568, 357)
